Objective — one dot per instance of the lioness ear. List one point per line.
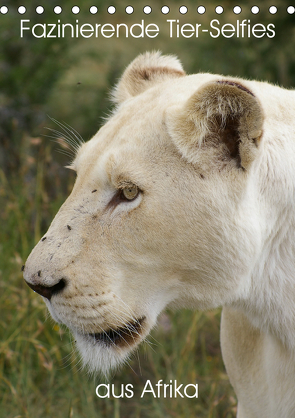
(220, 123)
(145, 71)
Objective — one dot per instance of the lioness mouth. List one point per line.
(122, 336)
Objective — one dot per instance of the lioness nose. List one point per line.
(47, 291)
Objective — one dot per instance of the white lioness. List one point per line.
(184, 197)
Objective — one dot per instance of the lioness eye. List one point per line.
(130, 192)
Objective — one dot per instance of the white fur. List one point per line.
(211, 226)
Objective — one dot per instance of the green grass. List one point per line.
(40, 373)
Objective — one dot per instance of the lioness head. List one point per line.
(160, 213)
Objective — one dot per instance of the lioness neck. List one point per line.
(270, 304)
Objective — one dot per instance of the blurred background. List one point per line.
(70, 80)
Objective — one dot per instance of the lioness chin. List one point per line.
(184, 197)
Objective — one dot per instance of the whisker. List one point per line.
(73, 134)
(77, 135)
(66, 137)
(150, 344)
(129, 310)
(127, 362)
(139, 365)
(106, 334)
(114, 330)
(132, 328)
(64, 141)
